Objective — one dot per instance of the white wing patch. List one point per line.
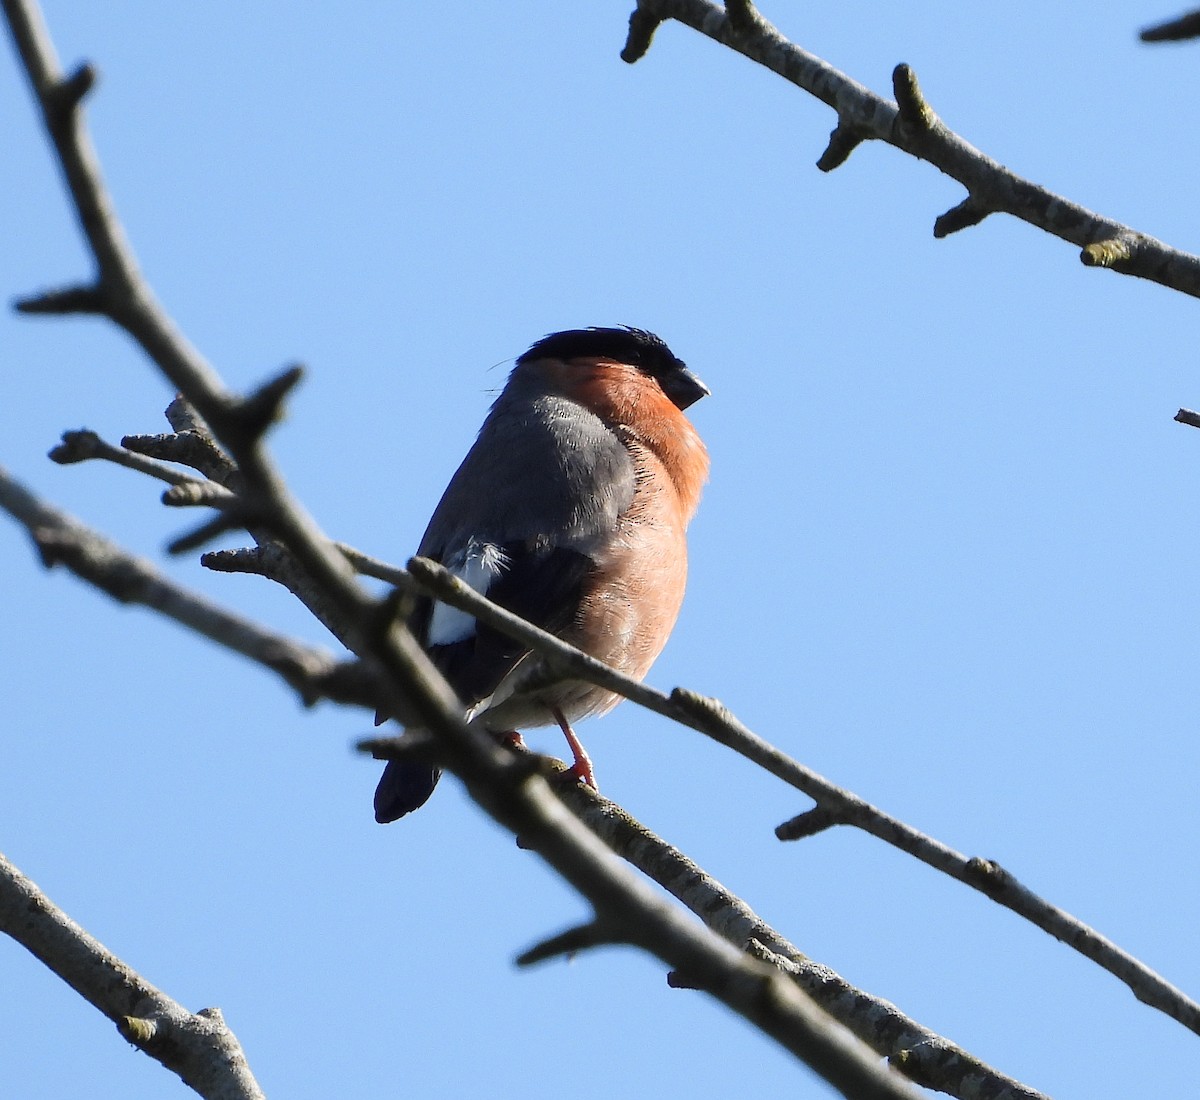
(477, 564)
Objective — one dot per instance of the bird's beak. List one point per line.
(684, 388)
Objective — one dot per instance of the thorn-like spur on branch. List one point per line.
(415, 744)
(70, 299)
(809, 823)
(233, 518)
(967, 213)
(594, 933)
(642, 25)
(1187, 416)
(264, 407)
(70, 92)
(842, 142)
(914, 111)
(1174, 30)
(1112, 252)
(199, 1047)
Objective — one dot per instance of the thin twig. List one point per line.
(85, 445)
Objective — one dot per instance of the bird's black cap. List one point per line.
(635, 346)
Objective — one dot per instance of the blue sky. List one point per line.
(947, 556)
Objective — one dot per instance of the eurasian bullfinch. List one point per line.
(569, 510)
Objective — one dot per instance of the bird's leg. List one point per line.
(582, 768)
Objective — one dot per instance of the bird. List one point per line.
(570, 510)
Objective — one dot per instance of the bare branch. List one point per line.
(194, 493)
(84, 445)
(187, 448)
(62, 540)
(65, 300)
(374, 567)
(834, 804)
(925, 1056)
(123, 294)
(914, 129)
(234, 518)
(1174, 30)
(593, 934)
(197, 1046)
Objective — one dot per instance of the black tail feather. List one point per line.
(404, 786)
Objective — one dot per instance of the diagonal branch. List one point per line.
(911, 126)
(926, 1057)
(62, 540)
(197, 1046)
(835, 805)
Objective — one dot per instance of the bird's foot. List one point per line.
(581, 770)
(511, 739)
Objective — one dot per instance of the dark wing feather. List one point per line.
(542, 586)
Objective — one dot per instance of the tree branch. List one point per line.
(835, 805)
(928, 1058)
(198, 1046)
(62, 540)
(862, 115)
(1180, 29)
